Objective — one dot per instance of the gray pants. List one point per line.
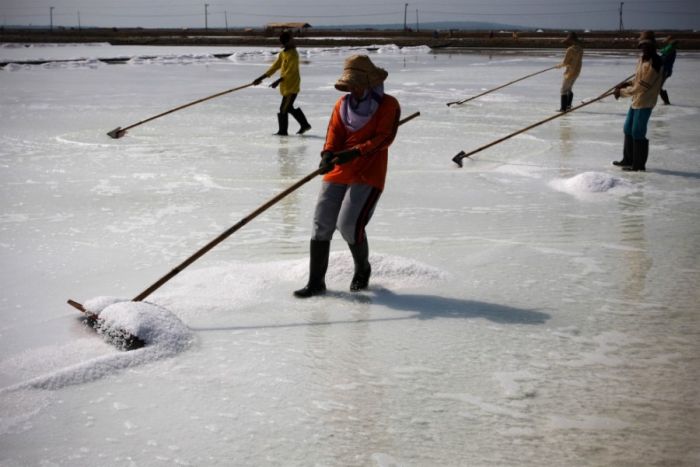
(347, 208)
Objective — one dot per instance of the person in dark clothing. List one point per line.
(289, 83)
(668, 55)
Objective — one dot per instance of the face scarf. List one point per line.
(356, 113)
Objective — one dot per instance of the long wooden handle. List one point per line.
(500, 87)
(461, 155)
(184, 106)
(264, 207)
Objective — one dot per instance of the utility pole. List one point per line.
(206, 16)
(405, 10)
(622, 27)
(51, 18)
(78, 20)
(226, 18)
(417, 25)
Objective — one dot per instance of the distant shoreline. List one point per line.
(610, 40)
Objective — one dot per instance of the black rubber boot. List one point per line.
(627, 152)
(360, 256)
(640, 154)
(301, 118)
(283, 123)
(664, 97)
(318, 264)
(564, 98)
(570, 100)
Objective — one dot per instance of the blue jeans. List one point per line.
(636, 123)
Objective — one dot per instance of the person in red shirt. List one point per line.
(354, 163)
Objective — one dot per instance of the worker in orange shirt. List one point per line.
(354, 163)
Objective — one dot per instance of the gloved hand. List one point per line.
(616, 92)
(326, 164)
(343, 157)
(259, 80)
(275, 83)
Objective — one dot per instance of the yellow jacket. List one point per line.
(645, 87)
(288, 64)
(572, 61)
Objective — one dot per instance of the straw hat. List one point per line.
(647, 37)
(359, 71)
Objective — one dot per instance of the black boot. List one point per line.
(564, 98)
(360, 256)
(570, 100)
(640, 154)
(301, 118)
(318, 264)
(664, 97)
(627, 152)
(283, 122)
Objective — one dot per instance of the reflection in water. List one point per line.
(565, 141)
(636, 261)
(287, 160)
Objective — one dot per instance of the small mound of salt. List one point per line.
(589, 182)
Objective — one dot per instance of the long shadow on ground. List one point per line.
(422, 307)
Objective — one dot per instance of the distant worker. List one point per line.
(354, 163)
(572, 62)
(668, 55)
(290, 84)
(644, 91)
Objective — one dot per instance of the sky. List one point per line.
(564, 14)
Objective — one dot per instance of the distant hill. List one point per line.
(439, 25)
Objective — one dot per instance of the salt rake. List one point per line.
(457, 159)
(127, 341)
(118, 132)
(500, 87)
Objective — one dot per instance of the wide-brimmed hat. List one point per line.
(647, 37)
(571, 38)
(359, 71)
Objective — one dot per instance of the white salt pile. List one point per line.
(149, 322)
(163, 333)
(587, 183)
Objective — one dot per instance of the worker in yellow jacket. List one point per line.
(289, 83)
(572, 62)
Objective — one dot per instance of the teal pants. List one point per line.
(636, 123)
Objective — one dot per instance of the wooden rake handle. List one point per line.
(500, 87)
(119, 131)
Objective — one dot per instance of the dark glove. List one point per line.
(326, 164)
(616, 92)
(343, 157)
(259, 80)
(275, 83)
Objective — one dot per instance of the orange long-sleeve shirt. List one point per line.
(373, 141)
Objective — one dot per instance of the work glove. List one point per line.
(616, 92)
(343, 157)
(326, 164)
(275, 83)
(259, 80)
